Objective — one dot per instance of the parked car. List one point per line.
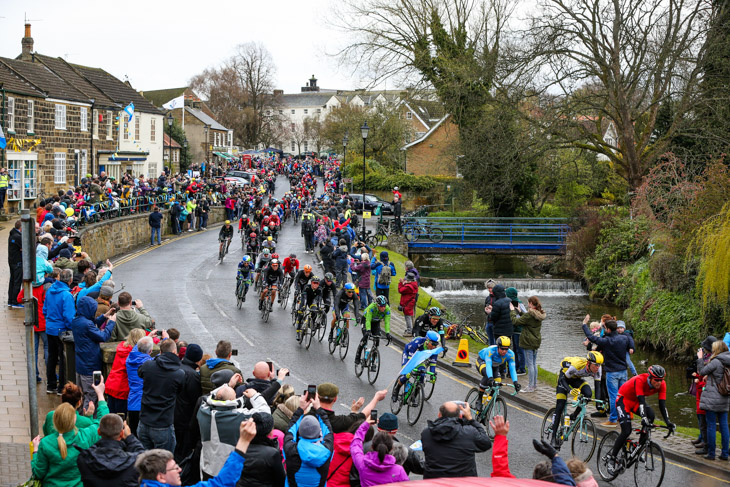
(371, 202)
(239, 178)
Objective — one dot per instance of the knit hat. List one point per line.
(194, 353)
(410, 276)
(264, 424)
(388, 422)
(511, 294)
(384, 255)
(327, 391)
(106, 291)
(309, 428)
(65, 253)
(620, 324)
(707, 342)
(220, 377)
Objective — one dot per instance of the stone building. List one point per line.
(434, 154)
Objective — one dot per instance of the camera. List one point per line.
(234, 351)
(134, 302)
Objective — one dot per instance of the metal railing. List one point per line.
(487, 230)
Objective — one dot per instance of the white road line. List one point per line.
(243, 336)
(207, 276)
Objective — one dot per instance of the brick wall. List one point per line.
(436, 155)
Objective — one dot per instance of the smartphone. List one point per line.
(123, 416)
(234, 351)
(271, 366)
(97, 377)
(277, 372)
(374, 415)
(311, 391)
(134, 302)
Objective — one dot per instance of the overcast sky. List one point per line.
(162, 44)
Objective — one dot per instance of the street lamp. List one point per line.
(170, 120)
(364, 131)
(185, 153)
(344, 152)
(205, 128)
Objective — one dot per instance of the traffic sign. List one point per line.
(366, 214)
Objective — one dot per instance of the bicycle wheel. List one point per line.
(482, 337)
(604, 451)
(300, 335)
(583, 443)
(546, 432)
(372, 241)
(411, 234)
(497, 408)
(381, 237)
(265, 312)
(472, 399)
(294, 312)
(649, 469)
(397, 405)
(361, 363)
(221, 254)
(428, 387)
(374, 368)
(321, 325)
(435, 234)
(308, 331)
(344, 343)
(335, 340)
(284, 294)
(415, 404)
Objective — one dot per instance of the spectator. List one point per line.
(158, 468)
(155, 221)
(4, 181)
(138, 356)
(499, 314)
(713, 401)
(378, 466)
(555, 470)
(15, 262)
(39, 328)
(104, 301)
(517, 330)
(582, 475)
(117, 384)
(488, 306)
(88, 333)
(363, 279)
(408, 289)
(450, 443)
(110, 462)
(284, 411)
(383, 271)
(341, 473)
(42, 264)
(500, 448)
(621, 328)
(162, 379)
(131, 315)
(699, 383)
(263, 381)
(223, 353)
(59, 310)
(328, 262)
(339, 255)
(54, 458)
(308, 445)
(264, 466)
(72, 395)
(327, 397)
(90, 284)
(187, 397)
(531, 324)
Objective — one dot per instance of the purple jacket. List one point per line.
(372, 472)
(363, 273)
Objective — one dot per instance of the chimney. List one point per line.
(27, 44)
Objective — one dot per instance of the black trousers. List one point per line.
(55, 357)
(15, 282)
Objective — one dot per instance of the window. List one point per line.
(83, 163)
(306, 111)
(59, 173)
(319, 110)
(109, 124)
(84, 119)
(95, 123)
(11, 114)
(126, 126)
(293, 127)
(293, 112)
(293, 146)
(409, 115)
(31, 117)
(305, 146)
(136, 126)
(22, 175)
(61, 117)
(230, 139)
(281, 112)
(153, 129)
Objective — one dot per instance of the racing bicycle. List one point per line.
(412, 395)
(455, 331)
(341, 336)
(285, 290)
(268, 302)
(241, 289)
(577, 424)
(370, 358)
(492, 405)
(415, 229)
(223, 249)
(646, 456)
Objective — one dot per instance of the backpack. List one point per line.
(384, 276)
(354, 220)
(723, 387)
(308, 224)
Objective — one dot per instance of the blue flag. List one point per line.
(418, 358)
(3, 142)
(129, 110)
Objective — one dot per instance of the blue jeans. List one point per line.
(40, 336)
(365, 297)
(614, 380)
(150, 438)
(519, 353)
(713, 417)
(489, 329)
(155, 232)
(531, 360)
(630, 364)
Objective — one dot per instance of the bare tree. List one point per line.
(617, 61)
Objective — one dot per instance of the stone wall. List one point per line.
(435, 156)
(110, 238)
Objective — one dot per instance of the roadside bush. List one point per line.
(670, 272)
(378, 178)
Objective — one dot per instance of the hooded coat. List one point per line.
(42, 266)
(264, 466)
(377, 268)
(341, 463)
(372, 470)
(531, 323)
(135, 359)
(500, 314)
(711, 399)
(214, 365)
(58, 308)
(449, 445)
(162, 379)
(117, 384)
(408, 293)
(128, 320)
(88, 336)
(307, 460)
(363, 273)
(110, 463)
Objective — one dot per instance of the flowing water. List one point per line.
(457, 281)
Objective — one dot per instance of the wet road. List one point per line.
(183, 286)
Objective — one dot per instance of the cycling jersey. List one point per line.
(639, 386)
(301, 279)
(416, 345)
(273, 277)
(423, 323)
(342, 301)
(329, 291)
(310, 296)
(490, 355)
(290, 265)
(226, 232)
(244, 271)
(577, 367)
(263, 261)
(372, 313)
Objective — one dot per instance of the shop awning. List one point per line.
(223, 155)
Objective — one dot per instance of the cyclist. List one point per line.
(225, 235)
(302, 278)
(344, 298)
(311, 295)
(329, 290)
(572, 376)
(632, 399)
(243, 276)
(252, 244)
(291, 263)
(489, 361)
(428, 342)
(378, 312)
(430, 320)
(269, 243)
(272, 278)
(263, 262)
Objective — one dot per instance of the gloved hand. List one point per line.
(518, 386)
(645, 421)
(672, 427)
(545, 448)
(489, 381)
(388, 337)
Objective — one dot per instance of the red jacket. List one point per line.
(341, 463)
(408, 291)
(500, 458)
(117, 385)
(39, 293)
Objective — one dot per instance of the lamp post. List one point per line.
(185, 153)
(344, 153)
(364, 131)
(205, 128)
(170, 120)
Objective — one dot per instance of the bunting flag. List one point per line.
(3, 141)
(129, 110)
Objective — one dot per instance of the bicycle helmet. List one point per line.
(349, 286)
(329, 277)
(274, 261)
(504, 342)
(252, 235)
(315, 280)
(274, 256)
(307, 268)
(434, 311)
(266, 229)
(265, 251)
(381, 301)
(228, 222)
(657, 372)
(270, 238)
(246, 258)
(431, 335)
(595, 357)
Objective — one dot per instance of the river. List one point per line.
(458, 283)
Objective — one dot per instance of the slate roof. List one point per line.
(174, 144)
(203, 117)
(14, 83)
(119, 91)
(73, 77)
(160, 97)
(313, 99)
(46, 80)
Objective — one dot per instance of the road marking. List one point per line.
(244, 337)
(207, 276)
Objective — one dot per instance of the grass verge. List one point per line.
(399, 261)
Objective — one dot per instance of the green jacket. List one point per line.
(50, 468)
(81, 422)
(531, 323)
(210, 366)
(129, 319)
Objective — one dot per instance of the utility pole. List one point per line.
(27, 229)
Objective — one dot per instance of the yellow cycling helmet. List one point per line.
(595, 357)
(504, 342)
(270, 239)
(228, 222)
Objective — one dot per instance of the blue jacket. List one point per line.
(58, 308)
(134, 360)
(42, 266)
(614, 347)
(307, 461)
(95, 288)
(227, 477)
(87, 336)
(377, 268)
